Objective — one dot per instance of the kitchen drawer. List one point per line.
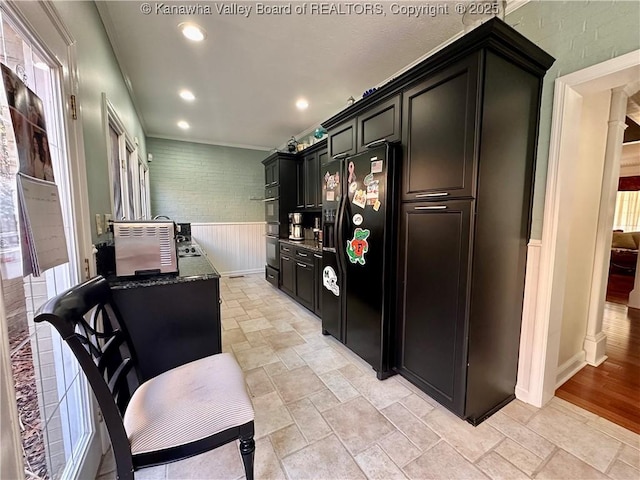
(272, 276)
(304, 255)
(286, 248)
(272, 192)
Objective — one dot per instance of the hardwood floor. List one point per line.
(612, 390)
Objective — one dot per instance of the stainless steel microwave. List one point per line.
(145, 248)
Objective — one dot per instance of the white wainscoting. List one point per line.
(233, 248)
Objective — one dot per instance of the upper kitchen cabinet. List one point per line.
(309, 182)
(379, 123)
(439, 134)
(342, 139)
(278, 168)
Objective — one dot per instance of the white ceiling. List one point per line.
(249, 72)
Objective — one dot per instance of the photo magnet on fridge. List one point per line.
(360, 198)
(376, 167)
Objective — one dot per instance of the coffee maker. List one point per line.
(296, 232)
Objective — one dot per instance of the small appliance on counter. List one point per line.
(317, 231)
(296, 231)
(145, 247)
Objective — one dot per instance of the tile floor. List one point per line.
(322, 414)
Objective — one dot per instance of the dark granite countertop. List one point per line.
(308, 244)
(190, 269)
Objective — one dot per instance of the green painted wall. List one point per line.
(98, 72)
(194, 182)
(578, 35)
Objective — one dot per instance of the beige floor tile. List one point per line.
(256, 357)
(519, 411)
(399, 448)
(470, 441)
(266, 464)
(290, 358)
(296, 384)
(565, 466)
(524, 459)
(380, 393)
(275, 368)
(324, 400)
(616, 431)
(588, 444)
(107, 476)
(416, 431)
(416, 405)
(152, 473)
(309, 420)
(254, 313)
(304, 327)
(622, 471)
(521, 434)
(271, 414)
(376, 465)
(339, 386)
(108, 463)
(231, 312)
(497, 468)
(240, 347)
(254, 325)
(630, 456)
(258, 382)
(285, 340)
(442, 462)
(314, 342)
(358, 424)
(572, 410)
(229, 324)
(324, 360)
(235, 335)
(222, 463)
(279, 324)
(256, 339)
(312, 462)
(287, 440)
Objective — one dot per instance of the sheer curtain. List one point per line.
(627, 216)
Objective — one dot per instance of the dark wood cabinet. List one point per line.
(317, 264)
(287, 273)
(311, 180)
(440, 132)
(305, 273)
(434, 241)
(381, 122)
(342, 139)
(271, 172)
(300, 184)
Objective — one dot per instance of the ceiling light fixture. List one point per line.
(187, 95)
(302, 104)
(183, 125)
(192, 31)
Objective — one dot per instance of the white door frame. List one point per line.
(545, 285)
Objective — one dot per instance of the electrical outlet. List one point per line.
(99, 228)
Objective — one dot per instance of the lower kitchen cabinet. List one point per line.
(317, 263)
(299, 267)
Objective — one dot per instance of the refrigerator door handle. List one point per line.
(340, 156)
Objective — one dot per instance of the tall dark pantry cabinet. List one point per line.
(469, 132)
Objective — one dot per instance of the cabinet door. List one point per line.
(439, 129)
(382, 122)
(268, 174)
(305, 283)
(317, 264)
(275, 173)
(323, 159)
(311, 180)
(287, 274)
(342, 139)
(434, 242)
(300, 184)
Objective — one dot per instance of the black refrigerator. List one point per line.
(359, 247)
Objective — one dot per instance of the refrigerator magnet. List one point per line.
(357, 219)
(330, 280)
(360, 198)
(376, 205)
(368, 179)
(352, 173)
(330, 196)
(376, 167)
(353, 187)
(358, 246)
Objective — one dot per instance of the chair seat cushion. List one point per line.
(188, 403)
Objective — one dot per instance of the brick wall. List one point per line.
(578, 34)
(194, 182)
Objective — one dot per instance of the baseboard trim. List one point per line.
(569, 368)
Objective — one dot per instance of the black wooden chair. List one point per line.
(186, 411)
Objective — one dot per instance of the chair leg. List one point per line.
(247, 450)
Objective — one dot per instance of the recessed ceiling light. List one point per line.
(302, 104)
(192, 31)
(183, 125)
(187, 95)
